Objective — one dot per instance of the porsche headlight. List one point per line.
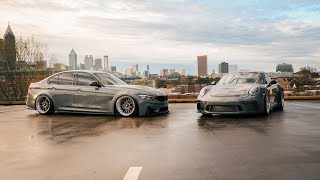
(254, 91)
(147, 97)
(204, 91)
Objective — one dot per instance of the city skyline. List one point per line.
(124, 67)
(242, 33)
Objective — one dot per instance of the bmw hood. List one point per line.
(141, 90)
(225, 90)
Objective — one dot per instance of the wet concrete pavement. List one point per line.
(180, 145)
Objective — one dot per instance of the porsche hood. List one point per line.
(227, 90)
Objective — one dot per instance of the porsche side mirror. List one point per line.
(95, 83)
(273, 82)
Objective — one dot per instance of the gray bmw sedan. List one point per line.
(94, 92)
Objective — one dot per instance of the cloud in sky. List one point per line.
(253, 34)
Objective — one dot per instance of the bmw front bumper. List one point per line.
(147, 108)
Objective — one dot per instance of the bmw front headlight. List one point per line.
(204, 91)
(147, 97)
(254, 91)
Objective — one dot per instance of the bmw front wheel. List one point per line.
(126, 106)
(44, 105)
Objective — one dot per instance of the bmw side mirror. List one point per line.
(213, 83)
(95, 83)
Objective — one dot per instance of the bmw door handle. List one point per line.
(79, 90)
(52, 88)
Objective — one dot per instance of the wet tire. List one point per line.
(280, 105)
(126, 106)
(267, 105)
(44, 105)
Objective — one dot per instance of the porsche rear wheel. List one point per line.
(126, 106)
(281, 103)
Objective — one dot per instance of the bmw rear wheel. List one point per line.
(44, 105)
(267, 104)
(126, 106)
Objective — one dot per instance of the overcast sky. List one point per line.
(255, 34)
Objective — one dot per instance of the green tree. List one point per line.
(306, 75)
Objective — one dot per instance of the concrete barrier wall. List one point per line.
(12, 102)
(302, 97)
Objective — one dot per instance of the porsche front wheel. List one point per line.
(267, 104)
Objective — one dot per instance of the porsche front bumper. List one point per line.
(251, 105)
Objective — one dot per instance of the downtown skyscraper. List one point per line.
(98, 64)
(72, 60)
(202, 65)
(105, 63)
(88, 62)
(223, 68)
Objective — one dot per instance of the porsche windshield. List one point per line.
(109, 79)
(242, 78)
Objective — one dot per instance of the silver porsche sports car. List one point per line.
(94, 92)
(241, 93)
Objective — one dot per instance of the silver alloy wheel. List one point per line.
(43, 104)
(268, 104)
(126, 105)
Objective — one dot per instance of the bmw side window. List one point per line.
(84, 79)
(54, 80)
(65, 79)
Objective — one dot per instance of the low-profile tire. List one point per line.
(44, 105)
(267, 105)
(280, 105)
(126, 106)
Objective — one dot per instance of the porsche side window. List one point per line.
(260, 79)
(268, 79)
(54, 80)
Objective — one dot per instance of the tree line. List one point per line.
(31, 63)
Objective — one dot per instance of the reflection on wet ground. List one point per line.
(62, 127)
(258, 123)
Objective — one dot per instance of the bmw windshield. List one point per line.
(242, 78)
(109, 79)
